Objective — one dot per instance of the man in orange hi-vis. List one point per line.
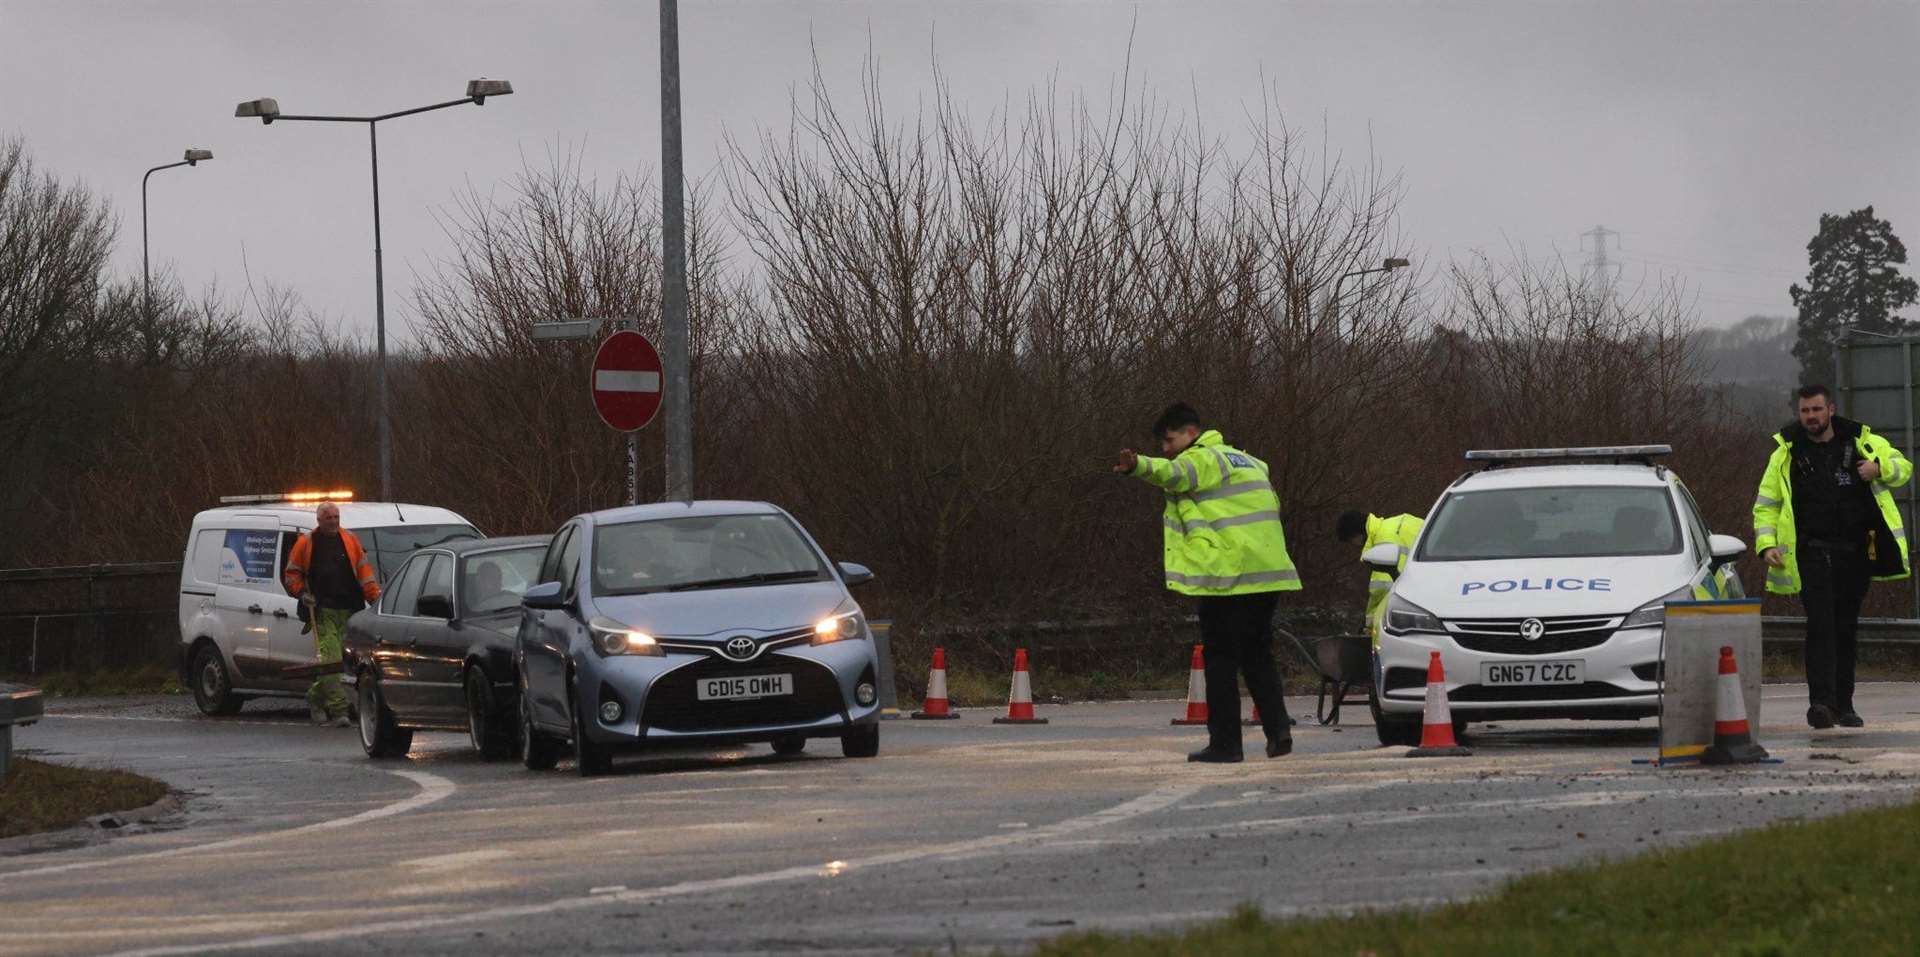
(329, 572)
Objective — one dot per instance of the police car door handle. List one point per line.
(255, 610)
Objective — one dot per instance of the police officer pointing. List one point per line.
(1223, 545)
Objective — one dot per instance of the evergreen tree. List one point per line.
(1852, 283)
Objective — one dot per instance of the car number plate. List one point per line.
(1533, 672)
(743, 687)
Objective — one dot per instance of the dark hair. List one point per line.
(1812, 389)
(1178, 416)
(1351, 525)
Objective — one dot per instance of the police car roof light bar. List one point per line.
(292, 498)
(1640, 454)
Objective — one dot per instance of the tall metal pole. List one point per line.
(146, 271)
(380, 326)
(673, 236)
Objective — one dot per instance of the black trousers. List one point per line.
(1832, 586)
(1236, 637)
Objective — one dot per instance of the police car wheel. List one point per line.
(789, 744)
(380, 735)
(537, 751)
(861, 742)
(1393, 730)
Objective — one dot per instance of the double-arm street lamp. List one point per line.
(193, 158)
(268, 110)
(1333, 305)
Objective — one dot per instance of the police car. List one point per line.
(1541, 579)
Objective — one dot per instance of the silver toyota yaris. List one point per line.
(702, 622)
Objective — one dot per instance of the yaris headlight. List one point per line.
(845, 622)
(613, 638)
(1655, 612)
(1404, 616)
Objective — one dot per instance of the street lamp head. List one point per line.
(1395, 263)
(266, 108)
(195, 156)
(482, 88)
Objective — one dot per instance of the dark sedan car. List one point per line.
(436, 654)
(692, 623)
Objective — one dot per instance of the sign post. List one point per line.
(626, 386)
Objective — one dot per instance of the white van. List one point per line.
(1542, 582)
(239, 630)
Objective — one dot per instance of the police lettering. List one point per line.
(1544, 584)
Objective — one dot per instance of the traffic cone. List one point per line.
(1196, 691)
(1732, 739)
(1020, 698)
(1436, 733)
(934, 708)
(1253, 720)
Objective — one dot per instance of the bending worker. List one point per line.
(1825, 523)
(329, 570)
(1400, 530)
(1223, 545)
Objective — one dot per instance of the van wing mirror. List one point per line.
(1725, 549)
(855, 574)
(434, 606)
(544, 595)
(1384, 557)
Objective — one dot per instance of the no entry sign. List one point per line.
(626, 381)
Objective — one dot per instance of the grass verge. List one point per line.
(1838, 885)
(151, 679)
(36, 796)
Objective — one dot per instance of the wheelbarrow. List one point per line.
(1344, 664)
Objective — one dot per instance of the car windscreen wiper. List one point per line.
(761, 578)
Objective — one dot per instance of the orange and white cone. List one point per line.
(935, 708)
(1196, 691)
(1732, 738)
(1020, 698)
(1436, 731)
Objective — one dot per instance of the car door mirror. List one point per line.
(545, 595)
(1384, 557)
(434, 606)
(1725, 549)
(855, 574)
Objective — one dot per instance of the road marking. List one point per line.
(432, 788)
(1158, 799)
(457, 859)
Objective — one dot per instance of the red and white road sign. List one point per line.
(626, 381)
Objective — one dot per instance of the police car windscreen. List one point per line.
(1558, 522)
(697, 552)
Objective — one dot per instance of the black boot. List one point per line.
(1277, 747)
(1208, 755)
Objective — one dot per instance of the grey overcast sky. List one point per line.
(1710, 135)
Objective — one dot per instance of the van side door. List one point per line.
(246, 590)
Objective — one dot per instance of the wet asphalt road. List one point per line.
(962, 835)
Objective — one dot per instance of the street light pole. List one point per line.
(267, 110)
(193, 158)
(673, 261)
(1333, 304)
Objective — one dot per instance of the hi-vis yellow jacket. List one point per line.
(1773, 507)
(1401, 530)
(1222, 533)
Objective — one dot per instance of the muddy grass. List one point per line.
(36, 796)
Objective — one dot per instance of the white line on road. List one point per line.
(432, 788)
(1156, 800)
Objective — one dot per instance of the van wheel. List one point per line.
(537, 751)
(380, 735)
(490, 728)
(861, 742)
(1393, 730)
(212, 684)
